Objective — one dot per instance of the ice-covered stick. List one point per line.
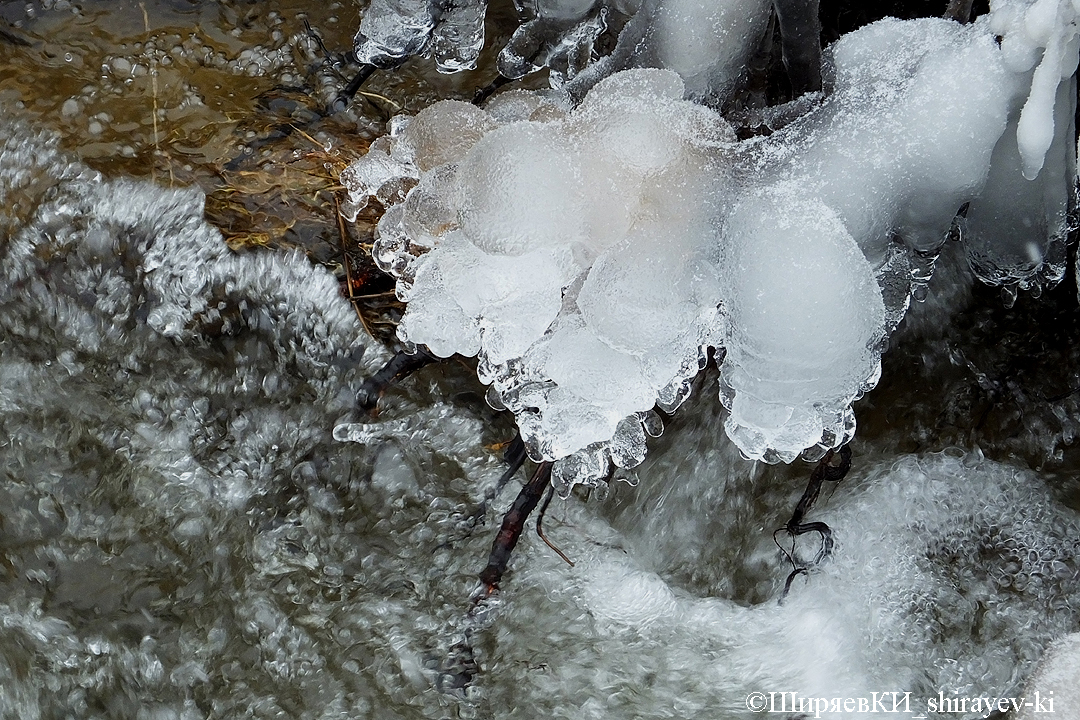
(824, 470)
(800, 31)
(959, 10)
(397, 368)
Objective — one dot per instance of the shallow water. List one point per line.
(181, 537)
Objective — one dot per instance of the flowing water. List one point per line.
(182, 537)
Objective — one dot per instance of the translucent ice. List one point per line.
(1015, 231)
(392, 30)
(707, 44)
(545, 259)
(559, 36)
(443, 133)
(1046, 28)
(375, 175)
(459, 36)
(591, 255)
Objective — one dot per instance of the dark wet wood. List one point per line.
(398, 367)
(512, 526)
(833, 467)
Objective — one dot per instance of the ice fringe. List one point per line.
(591, 255)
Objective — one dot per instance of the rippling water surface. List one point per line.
(181, 536)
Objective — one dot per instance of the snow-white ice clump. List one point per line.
(1056, 679)
(591, 256)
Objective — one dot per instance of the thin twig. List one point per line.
(397, 106)
(348, 271)
(540, 530)
(824, 470)
(376, 296)
(154, 93)
(342, 100)
(313, 141)
(396, 368)
(488, 90)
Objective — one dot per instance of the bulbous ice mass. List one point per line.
(569, 250)
(806, 324)
(521, 190)
(591, 256)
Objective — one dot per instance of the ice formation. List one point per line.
(557, 34)
(590, 255)
(707, 44)
(1019, 223)
(394, 30)
(516, 214)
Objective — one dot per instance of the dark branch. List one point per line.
(512, 525)
(398, 367)
(826, 469)
(349, 92)
(488, 90)
(540, 527)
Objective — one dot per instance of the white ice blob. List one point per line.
(806, 323)
(521, 189)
